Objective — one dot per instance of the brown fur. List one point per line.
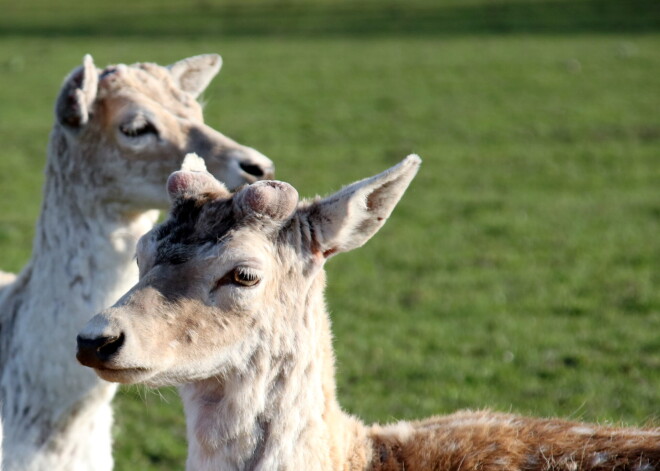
(491, 441)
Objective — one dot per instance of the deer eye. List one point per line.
(138, 127)
(245, 277)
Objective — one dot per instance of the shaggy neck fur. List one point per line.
(243, 420)
(280, 412)
(267, 400)
(57, 414)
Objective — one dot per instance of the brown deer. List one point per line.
(230, 307)
(118, 133)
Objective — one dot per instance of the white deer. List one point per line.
(118, 134)
(230, 306)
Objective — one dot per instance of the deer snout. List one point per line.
(230, 162)
(238, 166)
(254, 163)
(100, 340)
(96, 352)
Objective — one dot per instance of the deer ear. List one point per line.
(194, 74)
(277, 200)
(192, 180)
(73, 106)
(349, 218)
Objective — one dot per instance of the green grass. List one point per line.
(521, 270)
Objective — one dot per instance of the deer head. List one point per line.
(122, 130)
(229, 273)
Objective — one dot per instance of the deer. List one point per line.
(230, 307)
(118, 134)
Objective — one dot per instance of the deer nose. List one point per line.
(252, 169)
(97, 351)
(256, 164)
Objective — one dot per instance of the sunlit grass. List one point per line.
(520, 271)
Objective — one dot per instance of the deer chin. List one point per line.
(125, 375)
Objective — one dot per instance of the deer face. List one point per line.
(227, 274)
(134, 124)
(207, 292)
(185, 320)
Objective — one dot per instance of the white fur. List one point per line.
(99, 187)
(248, 340)
(193, 163)
(241, 380)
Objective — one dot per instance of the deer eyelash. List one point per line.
(245, 276)
(239, 276)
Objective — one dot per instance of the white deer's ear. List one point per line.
(347, 219)
(192, 180)
(73, 106)
(194, 74)
(277, 200)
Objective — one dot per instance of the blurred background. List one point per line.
(521, 271)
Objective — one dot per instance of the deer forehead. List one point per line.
(147, 85)
(243, 248)
(210, 247)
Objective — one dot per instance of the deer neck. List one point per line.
(82, 261)
(280, 411)
(84, 246)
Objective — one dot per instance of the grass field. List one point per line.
(522, 269)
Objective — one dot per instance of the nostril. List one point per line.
(252, 169)
(110, 347)
(94, 352)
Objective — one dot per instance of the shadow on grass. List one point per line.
(420, 17)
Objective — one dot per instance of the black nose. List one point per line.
(252, 169)
(95, 352)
